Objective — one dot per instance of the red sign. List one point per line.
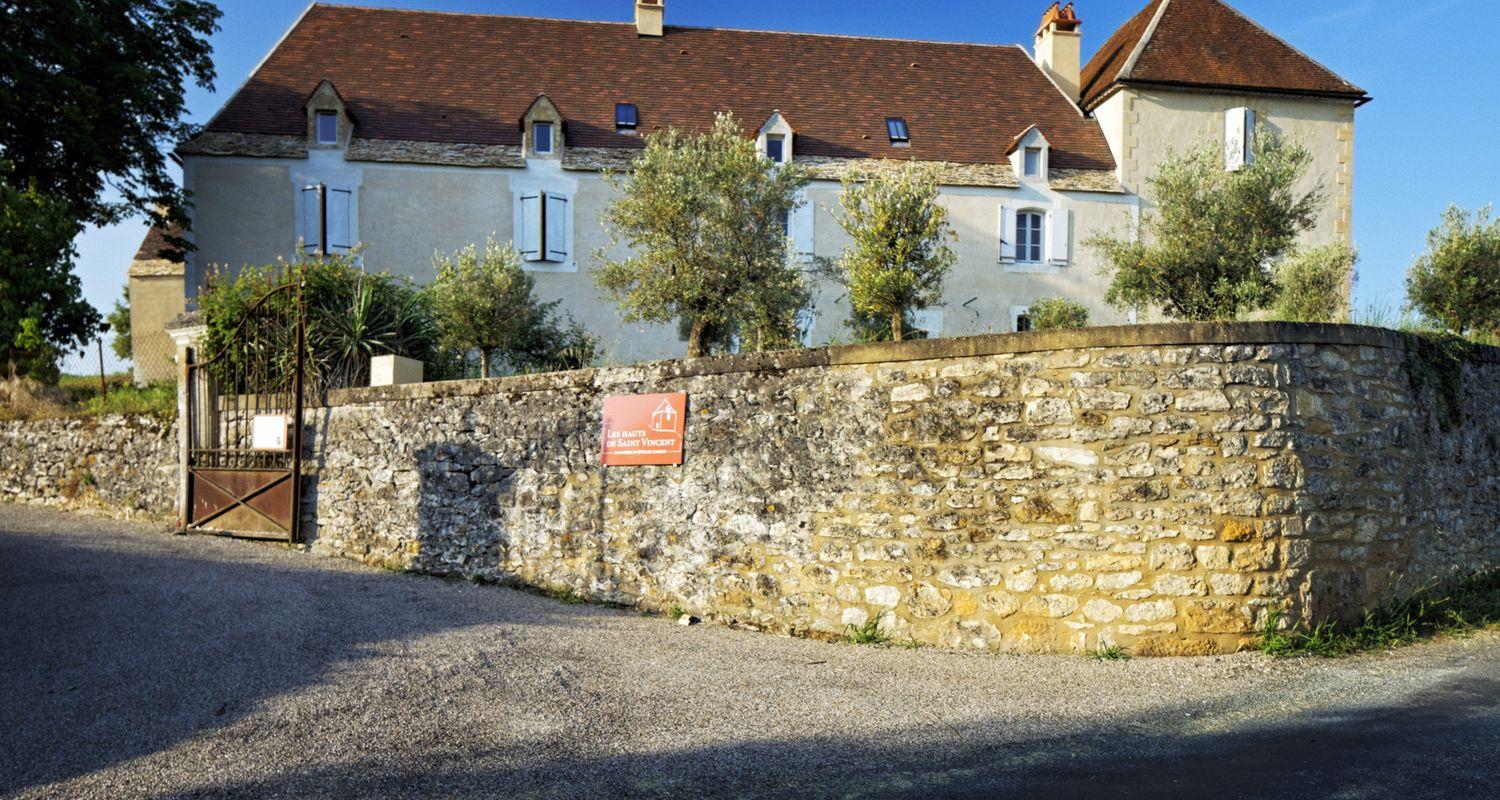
(643, 429)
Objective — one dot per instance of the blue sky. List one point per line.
(1428, 139)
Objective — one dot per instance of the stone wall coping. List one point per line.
(631, 376)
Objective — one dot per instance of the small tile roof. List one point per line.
(157, 244)
(468, 78)
(1205, 43)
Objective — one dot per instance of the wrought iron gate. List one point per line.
(244, 418)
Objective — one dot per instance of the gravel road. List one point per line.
(139, 664)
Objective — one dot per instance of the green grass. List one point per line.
(1112, 652)
(676, 612)
(868, 633)
(81, 396)
(1459, 609)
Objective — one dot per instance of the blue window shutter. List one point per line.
(556, 228)
(530, 239)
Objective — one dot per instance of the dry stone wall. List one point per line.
(122, 465)
(1158, 487)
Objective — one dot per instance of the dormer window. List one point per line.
(1028, 154)
(774, 139)
(329, 123)
(541, 138)
(328, 127)
(776, 147)
(625, 117)
(1032, 162)
(895, 128)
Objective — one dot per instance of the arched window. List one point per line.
(1029, 236)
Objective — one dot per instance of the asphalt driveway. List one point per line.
(139, 664)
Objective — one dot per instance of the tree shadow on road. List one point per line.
(1443, 744)
(117, 647)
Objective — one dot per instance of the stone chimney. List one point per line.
(648, 16)
(1057, 48)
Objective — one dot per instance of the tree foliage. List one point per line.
(1456, 281)
(1052, 313)
(42, 310)
(1312, 284)
(119, 325)
(484, 302)
(898, 252)
(704, 217)
(91, 96)
(1209, 249)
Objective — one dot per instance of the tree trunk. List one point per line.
(897, 331)
(695, 338)
(484, 363)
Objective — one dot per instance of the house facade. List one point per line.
(411, 133)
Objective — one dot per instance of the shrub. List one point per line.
(1313, 285)
(1052, 313)
(484, 303)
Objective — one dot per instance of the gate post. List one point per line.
(184, 332)
(184, 436)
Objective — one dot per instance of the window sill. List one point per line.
(1032, 267)
(549, 266)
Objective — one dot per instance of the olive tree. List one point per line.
(1312, 284)
(704, 217)
(1209, 249)
(898, 252)
(484, 303)
(1456, 281)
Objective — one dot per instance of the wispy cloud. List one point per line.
(1335, 13)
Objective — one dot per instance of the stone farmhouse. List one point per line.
(431, 130)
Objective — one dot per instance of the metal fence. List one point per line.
(151, 359)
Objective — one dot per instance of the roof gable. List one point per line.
(1206, 43)
(466, 78)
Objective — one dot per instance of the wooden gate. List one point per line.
(244, 418)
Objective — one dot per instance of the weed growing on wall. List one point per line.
(868, 633)
(1111, 652)
(1437, 360)
(1466, 606)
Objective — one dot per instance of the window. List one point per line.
(1031, 165)
(328, 127)
(541, 138)
(776, 147)
(625, 117)
(895, 127)
(325, 208)
(1020, 318)
(1029, 236)
(544, 227)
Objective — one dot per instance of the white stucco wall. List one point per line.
(242, 213)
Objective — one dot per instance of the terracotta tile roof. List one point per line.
(468, 78)
(1205, 43)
